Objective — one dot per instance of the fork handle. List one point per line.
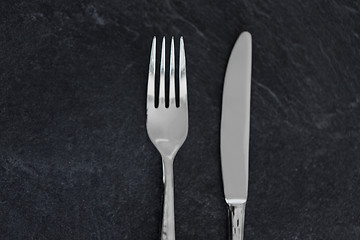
(168, 222)
(237, 219)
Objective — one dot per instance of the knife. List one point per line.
(235, 126)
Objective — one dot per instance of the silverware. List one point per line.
(235, 125)
(167, 126)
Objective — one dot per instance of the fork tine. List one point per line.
(151, 78)
(162, 75)
(172, 101)
(182, 73)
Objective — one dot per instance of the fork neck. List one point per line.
(167, 158)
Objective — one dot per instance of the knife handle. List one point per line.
(237, 219)
(168, 222)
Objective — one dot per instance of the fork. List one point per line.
(167, 126)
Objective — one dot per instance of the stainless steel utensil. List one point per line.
(167, 126)
(235, 125)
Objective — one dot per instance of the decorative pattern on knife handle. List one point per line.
(237, 219)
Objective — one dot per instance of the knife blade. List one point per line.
(235, 126)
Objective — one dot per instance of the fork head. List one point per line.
(167, 126)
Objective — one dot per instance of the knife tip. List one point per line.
(246, 34)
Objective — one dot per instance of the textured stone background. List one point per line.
(75, 159)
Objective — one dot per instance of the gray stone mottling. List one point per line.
(75, 160)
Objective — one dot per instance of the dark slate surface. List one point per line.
(75, 159)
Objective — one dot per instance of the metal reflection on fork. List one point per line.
(167, 126)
